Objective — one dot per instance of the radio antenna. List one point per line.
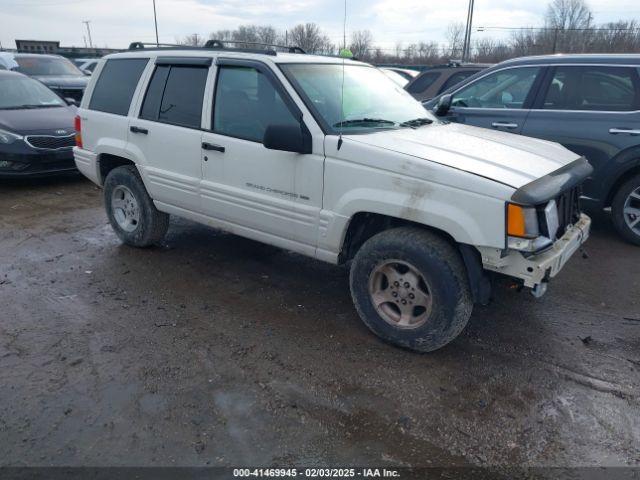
(343, 53)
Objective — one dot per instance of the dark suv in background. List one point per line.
(588, 103)
(437, 79)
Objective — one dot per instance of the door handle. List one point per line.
(504, 125)
(135, 129)
(628, 131)
(212, 146)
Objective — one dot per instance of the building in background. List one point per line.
(37, 46)
(53, 47)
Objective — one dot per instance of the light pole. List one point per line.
(155, 21)
(87, 22)
(466, 48)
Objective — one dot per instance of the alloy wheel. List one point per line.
(400, 294)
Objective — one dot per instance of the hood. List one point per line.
(38, 120)
(63, 81)
(507, 158)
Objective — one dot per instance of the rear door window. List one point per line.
(593, 88)
(117, 83)
(175, 95)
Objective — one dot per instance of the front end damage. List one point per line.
(544, 228)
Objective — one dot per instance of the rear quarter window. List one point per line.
(117, 83)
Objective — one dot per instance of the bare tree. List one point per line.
(267, 34)
(221, 35)
(568, 14)
(193, 40)
(455, 38)
(568, 22)
(361, 42)
(245, 33)
(310, 38)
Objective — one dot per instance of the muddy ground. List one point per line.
(217, 350)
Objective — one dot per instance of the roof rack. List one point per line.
(218, 45)
(221, 45)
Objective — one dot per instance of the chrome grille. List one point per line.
(50, 142)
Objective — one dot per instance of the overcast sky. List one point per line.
(115, 23)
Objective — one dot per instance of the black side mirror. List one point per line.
(71, 101)
(287, 138)
(444, 105)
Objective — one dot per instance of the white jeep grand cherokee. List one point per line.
(330, 158)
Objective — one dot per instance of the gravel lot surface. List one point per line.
(217, 350)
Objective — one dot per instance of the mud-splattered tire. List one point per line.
(625, 210)
(424, 271)
(131, 212)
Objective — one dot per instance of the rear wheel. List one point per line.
(410, 288)
(131, 212)
(625, 210)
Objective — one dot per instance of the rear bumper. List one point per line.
(87, 163)
(537, 269)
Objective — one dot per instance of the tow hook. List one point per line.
(539, 290)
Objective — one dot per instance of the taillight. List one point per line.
(78, 126)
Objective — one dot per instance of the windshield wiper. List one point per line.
(364, 121)
(417, 122)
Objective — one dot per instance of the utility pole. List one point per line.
(155, 21)
(466, 48)
(87, 22)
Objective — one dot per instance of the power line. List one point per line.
(588, 29)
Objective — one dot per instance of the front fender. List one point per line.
(468, 217)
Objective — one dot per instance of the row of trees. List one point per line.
(568, 27)
(307, 36)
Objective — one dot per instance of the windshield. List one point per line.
(372, 101)
(17, 92)
(37, 65)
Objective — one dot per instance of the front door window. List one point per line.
(504, 89)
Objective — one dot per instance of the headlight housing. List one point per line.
(7, 138)
(524, 229)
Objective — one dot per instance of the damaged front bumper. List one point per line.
(535, 270)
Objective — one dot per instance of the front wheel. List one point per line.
(625, 210)
(410, 288)
(131, 212)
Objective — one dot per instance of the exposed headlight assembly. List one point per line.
(523, 227)
(7, 138)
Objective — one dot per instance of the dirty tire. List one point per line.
(617, 209)
(151, 225)
(443, 270)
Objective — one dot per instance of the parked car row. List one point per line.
(588, 103)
